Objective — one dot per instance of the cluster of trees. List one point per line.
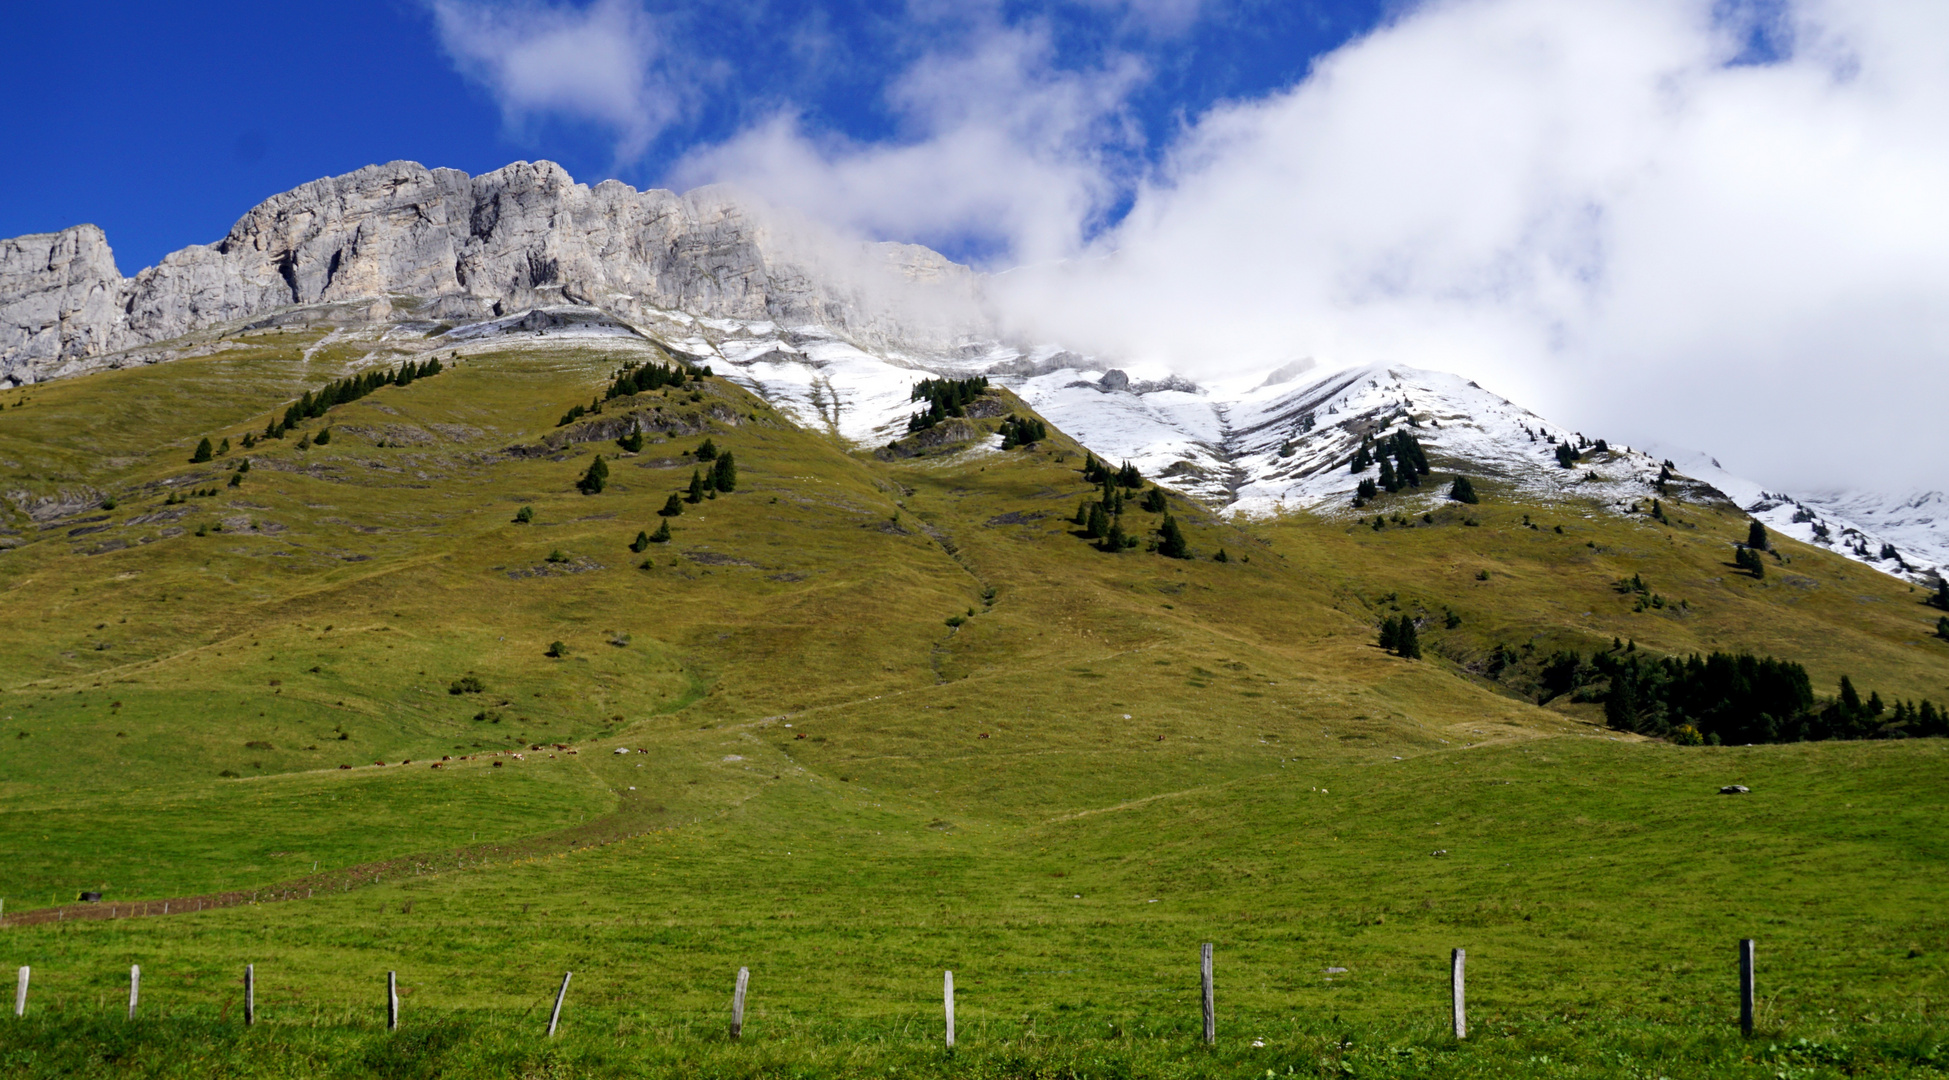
(641, 379)
(1722, 697)
(1463, 491)
(1102, 517)
(1399, 637)
(1746, 556)
(1941, 597)
(1018, 431)
(1566, 455)
(350, 388)
(944, 398)
(1402, 460)
(1097, 472)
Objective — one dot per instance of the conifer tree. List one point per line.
(1366, 490)
(250, 440)
(662, 533)
(1407, 644)
(1082, 513)
(673, 507)
(593, 481)
(1566, 455)
(1113, 540)
(1942, 628)
(202, 452)
(641, 543)
(1390, 627)
(524, 515)
(632, 442)
(1221, 556)
(1463, 491)
(1171, 542)
(304, 442)
(1388, 479)
(323, 437)
(1098, 523)
(1941, 598)
(707, 451)
(1129, 477)
(695, 493)
(1154, 501)
(1361, 461)
(725, 472)
(1756, 536)
(225, 447)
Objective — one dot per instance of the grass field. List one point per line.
(1104, 761)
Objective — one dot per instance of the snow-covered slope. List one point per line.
(1282, 444)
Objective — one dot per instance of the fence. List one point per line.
(1207, 995)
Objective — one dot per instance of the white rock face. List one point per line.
(60, 295)
(473, 247)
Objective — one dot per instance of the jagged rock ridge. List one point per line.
(466, 248)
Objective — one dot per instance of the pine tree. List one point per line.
(1129, 477)
(632, 442)
(304, 442)
(592, 482)
(1361, 461)
(695, 493)
(1942, 628)
(202, 453)
(1566, 455)
(707, 451)
(1388, 479)
(1221, 556)
(1390, 629)
(225, 447)
(662, 533)
(725, 472)
(1171, 542)
(1114, 539)
(1098, 523)
(1365, 491)
(524, 515)
(1082, 513)
(1154, 502)
(1463, 491)
(673, 507)
(1941, 598)
(641, 543)
(250, 440)
(324, 436)
(1756, 536)
(1407, 644)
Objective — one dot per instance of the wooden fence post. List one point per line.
(1746, 986)
(1211, 1012)
(20, 994)
(135, 987)
(250, 994)
(947, 992)
(392, 1001)
(1456, 962)
(556, 1016)
(737, 1002)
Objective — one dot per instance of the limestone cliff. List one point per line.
(473, 247)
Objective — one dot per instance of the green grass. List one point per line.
(1112, 759)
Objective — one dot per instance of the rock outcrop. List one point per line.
(474, 247)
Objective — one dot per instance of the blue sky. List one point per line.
(163, 123)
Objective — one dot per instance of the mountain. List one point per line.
(832, 331)
(400, 243)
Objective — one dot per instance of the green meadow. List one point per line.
(886, 719)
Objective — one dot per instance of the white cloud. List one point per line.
(1582, 205)
(597, 64)
(999, 150)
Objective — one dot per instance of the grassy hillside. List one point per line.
(887, 717)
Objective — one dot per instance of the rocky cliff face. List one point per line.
(473, 247)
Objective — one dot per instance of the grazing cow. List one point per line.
(498, 764)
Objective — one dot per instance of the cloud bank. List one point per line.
(1711, 223)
